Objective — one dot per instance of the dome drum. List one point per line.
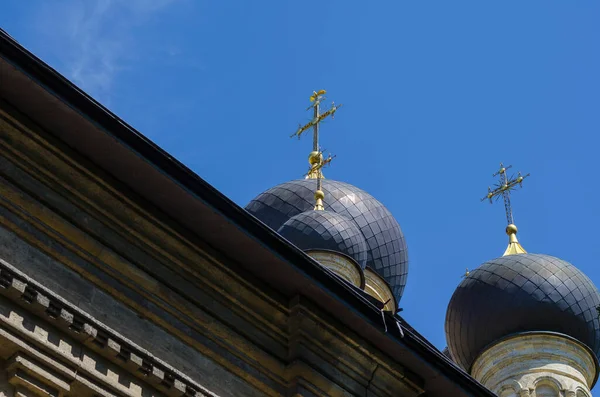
(342, 265)
(524, 360)
(377, 287)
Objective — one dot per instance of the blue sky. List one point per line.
(435, 95)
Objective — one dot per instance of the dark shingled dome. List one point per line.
(386, 249)
(521, 293)
(326, 230)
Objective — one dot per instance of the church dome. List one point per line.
(521, 293)
(386, 251)
(326, 230)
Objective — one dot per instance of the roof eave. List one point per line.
(35, 88)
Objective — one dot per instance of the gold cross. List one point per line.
(316, 99)
(316, 156)
(317, 162)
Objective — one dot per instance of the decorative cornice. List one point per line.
(27, 293)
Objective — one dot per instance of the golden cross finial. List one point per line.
(316, 156)
(503, 188)
(317, 163)
(316, 98)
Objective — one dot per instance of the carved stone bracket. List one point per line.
(27, 375)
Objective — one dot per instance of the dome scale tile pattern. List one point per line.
(326, 230)
(386, 248)
(521, 293)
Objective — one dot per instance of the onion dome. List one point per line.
(379, 257)
(386, 251)
(326, 230)
(521, 293)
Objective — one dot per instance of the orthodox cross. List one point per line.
(316, 99)
(316, 156)
(503, 188)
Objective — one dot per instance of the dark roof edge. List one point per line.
(54, 82)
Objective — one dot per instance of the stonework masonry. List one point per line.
(102, 296)
(537, 365)
(124, 274)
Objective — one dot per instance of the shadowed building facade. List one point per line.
(122, 273)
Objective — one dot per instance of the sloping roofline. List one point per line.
(89, 128)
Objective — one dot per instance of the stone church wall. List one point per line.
(101, 295)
